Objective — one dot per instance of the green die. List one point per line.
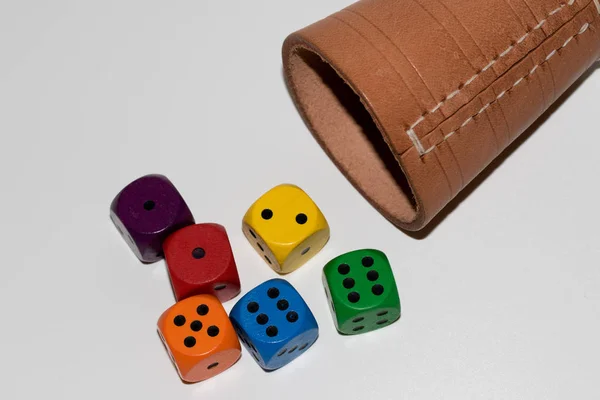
(362, 291)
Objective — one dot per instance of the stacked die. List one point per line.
(155, 221)
(272, 320)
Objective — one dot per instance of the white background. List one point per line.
(501, 299)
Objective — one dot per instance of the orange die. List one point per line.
(199, 337)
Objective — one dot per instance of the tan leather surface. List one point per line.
(412, 99)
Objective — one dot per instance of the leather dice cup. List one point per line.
(412, 99)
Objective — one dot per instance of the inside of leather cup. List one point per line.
(348, 133)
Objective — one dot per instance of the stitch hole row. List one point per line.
(410, 132)
(508, 91)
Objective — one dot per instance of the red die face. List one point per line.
(200, 261)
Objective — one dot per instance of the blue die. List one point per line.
(274, 323)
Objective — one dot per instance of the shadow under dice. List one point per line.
(200, 261)
(274, 323)
(199, 338)
(147, 211)
(285, 227)
(362, 291)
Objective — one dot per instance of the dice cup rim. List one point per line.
(396, 201)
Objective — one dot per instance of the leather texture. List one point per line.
(412, 99)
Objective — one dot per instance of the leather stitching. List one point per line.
(554, 52)
(411, 131)
(388, 39)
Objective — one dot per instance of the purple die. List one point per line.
(147, 211)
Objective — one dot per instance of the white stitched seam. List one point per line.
(505, 52)
(583, 29)
(538, 26)
(568, 40)
(437, 107)
(533, 69)
(549, 56)
(411, 131)
(413, 136)
(519, 81)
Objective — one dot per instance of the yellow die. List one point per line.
(286, 227)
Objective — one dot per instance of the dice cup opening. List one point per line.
(345, 129)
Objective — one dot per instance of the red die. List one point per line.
(200, 261)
